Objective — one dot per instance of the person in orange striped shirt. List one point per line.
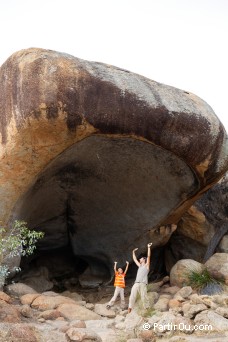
(119, 285)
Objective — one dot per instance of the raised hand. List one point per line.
(173, 227)
(166, 230)
(149, 245)
(134, 250)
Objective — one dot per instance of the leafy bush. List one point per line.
(19, 241)
(16, 241)
(204, 283)
(4, 271)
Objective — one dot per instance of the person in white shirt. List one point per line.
(141, 281)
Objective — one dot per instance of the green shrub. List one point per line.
(16, 241)
(204, 282)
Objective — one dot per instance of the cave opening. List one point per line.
(60, 266)
(98, 200)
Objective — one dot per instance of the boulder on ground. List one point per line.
(5, 297)
(217, 266)
(82, 335)
(50, 314)
(190, 310)
(19, 332)
(38, 279)
(223, 245)
(73, 312)
(101, 310)
(185, 292)
(27, 299)
(213, 320)
(19, 289)
(162, 304)
(43, 302)
(180, 272)
(26, 311)
(9, 313)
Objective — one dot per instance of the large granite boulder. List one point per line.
(98, 157)
(179, 274)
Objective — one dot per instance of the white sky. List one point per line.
(183, 43)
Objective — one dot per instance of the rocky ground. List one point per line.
(176, 315)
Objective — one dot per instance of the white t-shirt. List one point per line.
(142, 274)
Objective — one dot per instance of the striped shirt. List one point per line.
(119, 279)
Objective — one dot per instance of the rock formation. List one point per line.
(98, 157)
(203, 228)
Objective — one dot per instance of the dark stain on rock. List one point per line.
(52, 111)
(71, 225)
(36, 114)
(215, 154)
(70, 174)
(69, 95)
(173, 131)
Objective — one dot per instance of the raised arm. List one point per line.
(127, 265)
(115, 262)
(148, 254)
(134, 257)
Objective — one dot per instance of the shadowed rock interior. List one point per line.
(105, 195)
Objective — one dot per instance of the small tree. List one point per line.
(18, 241)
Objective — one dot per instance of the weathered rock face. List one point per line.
(202, 225)
(97, 157)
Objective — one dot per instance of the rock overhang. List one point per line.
(149, 150)
(104, 190)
